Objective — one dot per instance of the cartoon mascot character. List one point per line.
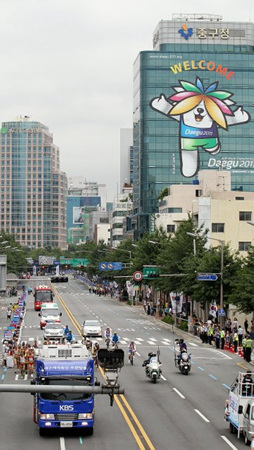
(200, 112)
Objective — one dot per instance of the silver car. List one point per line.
(53, 330)
(92, 328)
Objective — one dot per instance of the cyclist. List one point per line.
(115, 339)
(132, 350)
(107, 335)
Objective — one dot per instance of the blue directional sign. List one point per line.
(111, 266)
(222, 313)
(207, 277)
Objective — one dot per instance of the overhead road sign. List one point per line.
(207, 277)
(111, 266)
(151, 272)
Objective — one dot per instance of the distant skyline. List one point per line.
(69, 65)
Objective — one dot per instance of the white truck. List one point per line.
(240, 406)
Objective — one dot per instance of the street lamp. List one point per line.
(194, 242)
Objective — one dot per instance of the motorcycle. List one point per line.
(153, 368)
(184, 363)
(183, 360)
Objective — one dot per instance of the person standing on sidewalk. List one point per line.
(246, 325)
(240, 335)
(222, 338)
(248, 349)
(235, 341)
(217, 337)
(244, 347)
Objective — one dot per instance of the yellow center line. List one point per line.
(149, 443)
(133, 415)
(244, 367)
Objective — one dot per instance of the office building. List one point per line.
(193, 108)
(126, 157)
(33, 189)
(83, 198)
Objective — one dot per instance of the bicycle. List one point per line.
(131, 356)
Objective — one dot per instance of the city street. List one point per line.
(179, 412)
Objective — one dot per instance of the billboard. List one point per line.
(78, 215)
(46, 260)
(202, 110)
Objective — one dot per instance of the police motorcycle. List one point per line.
(183, 359)
(153, 366)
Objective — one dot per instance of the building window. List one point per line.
(244, 246)
(198, 193)
(218, 227)
(245, 215)
(171, 228)
(175, 210)
(239, 198)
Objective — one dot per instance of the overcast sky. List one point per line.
(69, 65)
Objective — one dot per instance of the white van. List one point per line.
(49, 313)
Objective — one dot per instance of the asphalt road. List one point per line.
(179, 412)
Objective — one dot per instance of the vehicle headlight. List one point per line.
(47, 416)
(85, 416)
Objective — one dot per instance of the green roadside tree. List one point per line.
(242, 285)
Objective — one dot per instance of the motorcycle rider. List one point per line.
(115, 339)
(132, 349)
(183, 349)
(148, 360)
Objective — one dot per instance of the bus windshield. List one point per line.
(66, 382)
(44, 296)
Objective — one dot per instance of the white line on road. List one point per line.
(153, 339)
(62, 444)
(138, 354)
(151, 342)
(165, 379)
(194, 345)
(201, 415)
(139, 339)
(137, 343)
(229, 443)
(179, 393)
(16, 377)
(223, 354)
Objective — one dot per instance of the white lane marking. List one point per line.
(229, 443)
(137, 343)
(202, 415)
(152, 339)
(139, 339)
(194, 345)
(126, 339)
(178, 392)
(165, 379)
(151, 342)
(31, 339)
(167, 340)
(165, 343)
(138, 354)
(62, 444)
(25, 377)
(223, 354)
(16, 377)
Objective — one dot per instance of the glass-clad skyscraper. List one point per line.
(193, 108)
(33, 190)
